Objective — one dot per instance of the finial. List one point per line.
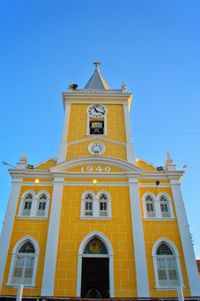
(168, 158)
(22, 161)
(97, 65)
(123, 87)
(169, 163)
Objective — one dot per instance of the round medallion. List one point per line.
(96, 148)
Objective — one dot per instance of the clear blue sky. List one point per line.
(153, 46)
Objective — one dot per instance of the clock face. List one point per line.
(96, 148)
(97, 111)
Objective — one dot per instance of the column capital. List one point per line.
(133, 181)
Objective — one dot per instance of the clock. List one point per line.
(96, 148)
(97, 110)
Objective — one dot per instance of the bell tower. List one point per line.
(96, 121)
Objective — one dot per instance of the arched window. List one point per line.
(42, 205)
(24, 263)
(103, 205)
(164, 206)
(27, 204)
(166, 265)
(96, 120)
(88, 205)
(97, 206)
(149, 206)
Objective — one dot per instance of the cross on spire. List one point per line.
(97, 65)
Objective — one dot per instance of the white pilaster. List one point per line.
(8, 224)
(63, 144)
(190, 261)
(138, 239)
(129, 144)
(52, 240)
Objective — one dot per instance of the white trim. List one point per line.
(169, 202)
(8, 224)
(63, 145)
(138, 239)
(148, 193)
(123, 164)
(129, 144)
(52, 240)
(108, 245)
(172, 246)
(21, 206)
(96, 137)
(41, 192)
(15, 253)
(190, 261)
(34, 206)
(95, 206)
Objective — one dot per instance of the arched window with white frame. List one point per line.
(24, 262)
(42, 204)
(164, 206)
(149, 205)
(166, 265)
(104, 204)
(87, 204)
(26, 204)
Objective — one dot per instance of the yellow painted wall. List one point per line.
(153, 231)
(38, 229)
(78, 131)
(73, 230)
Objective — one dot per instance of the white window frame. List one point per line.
(42, 192)
(15, 253)
(88, 121)
(96, 207)
(109, 213)
(172, 246)
(83, 201)
(34, 207)
(22, 200)
(169, 203)
(144, 205)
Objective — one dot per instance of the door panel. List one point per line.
(95, 278)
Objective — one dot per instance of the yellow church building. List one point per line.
(96, 222)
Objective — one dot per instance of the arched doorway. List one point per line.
(95, 267)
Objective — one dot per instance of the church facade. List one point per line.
(96, 221)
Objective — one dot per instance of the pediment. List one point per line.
(96, 164)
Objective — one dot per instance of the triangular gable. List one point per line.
(115, 165)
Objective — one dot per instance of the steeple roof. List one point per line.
(96, 82)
